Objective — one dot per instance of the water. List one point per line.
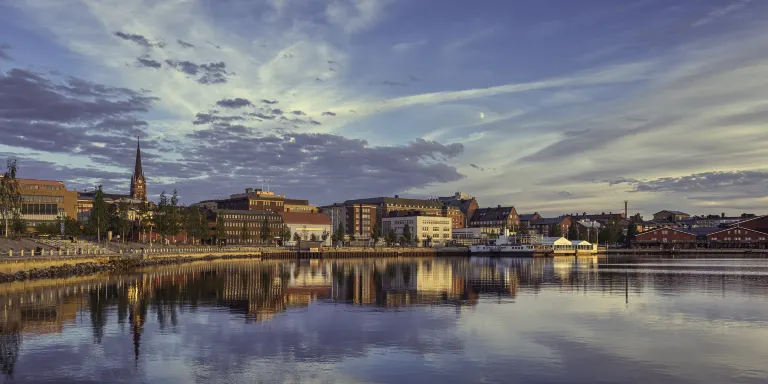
(396, 321)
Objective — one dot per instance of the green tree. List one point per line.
(18, 225)
(10, 195)
(192, 219)
(71, 226)
(631, 234)
(264, 233)
(285, 234)
(174, 217)
(144, 217)
(338, 236)
(244, 233)
(324, 236)
(124, 224)
(221, 231)
(407, 237)
(296, 237)
(99, 219)
(573, 232)
(160, 216)
(376, 234)
(313, 237)
(391, 237)
(352, 237)
(555, 230)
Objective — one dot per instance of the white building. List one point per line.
(428, 229)
(308, 224)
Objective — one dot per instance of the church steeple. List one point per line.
(138, 182)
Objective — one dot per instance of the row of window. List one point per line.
(250, 224)
(42, 199)
(39, 209)
(248, 217)
(44, 187)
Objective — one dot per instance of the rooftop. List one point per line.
(305, 218)
(420, 203)
(492, 214)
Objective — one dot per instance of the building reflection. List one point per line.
(260, 291)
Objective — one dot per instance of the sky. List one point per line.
(550, 106)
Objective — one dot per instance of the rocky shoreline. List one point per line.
(121, 265)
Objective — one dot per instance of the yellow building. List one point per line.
(42, 201)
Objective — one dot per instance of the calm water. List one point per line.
(396, 321)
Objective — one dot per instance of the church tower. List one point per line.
(138, 183)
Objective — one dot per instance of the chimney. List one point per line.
(248, 190)
(397, 196)
(498, 206)
(722, 215)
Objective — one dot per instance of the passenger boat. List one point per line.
(504, 244)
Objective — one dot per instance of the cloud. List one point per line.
(270, 102)
(327, 113)
(261, 115)
(3, 54)
(720, 12)
(138, 39)
(234, 103)
(404, 47)
(354, 15)
(206, 118)
(394, 83)
(276, 111)
(564, 194)
(184, 44)
(184, 66)
(475, 166)
(702, 182)
(298, 113)
(146, 62)
(211, 73)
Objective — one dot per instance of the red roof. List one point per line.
(305, 218)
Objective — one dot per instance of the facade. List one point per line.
(211, 205)
(85, 204)
(527, 218)
(546, 226)
(292, 205)
(43, 201)
(465, 203)
(429, 229)
(738, 237)
(665, 235)
(254, 200)
(356, 219)
(667, 215)
(599, 217)
(244, 226)
(385, 205)
(758, 224)
(492, 220)
(308, 224)
(138, 181)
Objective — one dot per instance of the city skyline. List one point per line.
(547, 108)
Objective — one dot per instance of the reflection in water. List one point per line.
(331, 311)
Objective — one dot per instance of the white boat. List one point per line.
(505, 244)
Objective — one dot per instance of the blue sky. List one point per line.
(551, 106)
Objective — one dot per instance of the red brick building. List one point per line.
(738, 237)
(495, 218)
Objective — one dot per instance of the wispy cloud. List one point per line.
(407, 46)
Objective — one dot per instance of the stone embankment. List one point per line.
(114, 265)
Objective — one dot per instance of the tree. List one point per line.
(10, 195)
(313, 237)
(573, 232)
(192, 219)
(264, 233)
(324, 236)
(376, 234)
(71, 226)
(18, 225)
(631, 233)
(304, 233)
(391, 237)
(99, 219)
(221, 231)
(172, 209)
(352, 237)
(160, 216)
(145, 217)
(124, 224)
(339, 234)
(296, 237)
(244, 233)
(285, 234)
(555, 230)
(407, 234)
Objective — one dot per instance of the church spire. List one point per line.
(137, 171)
(138, 182)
